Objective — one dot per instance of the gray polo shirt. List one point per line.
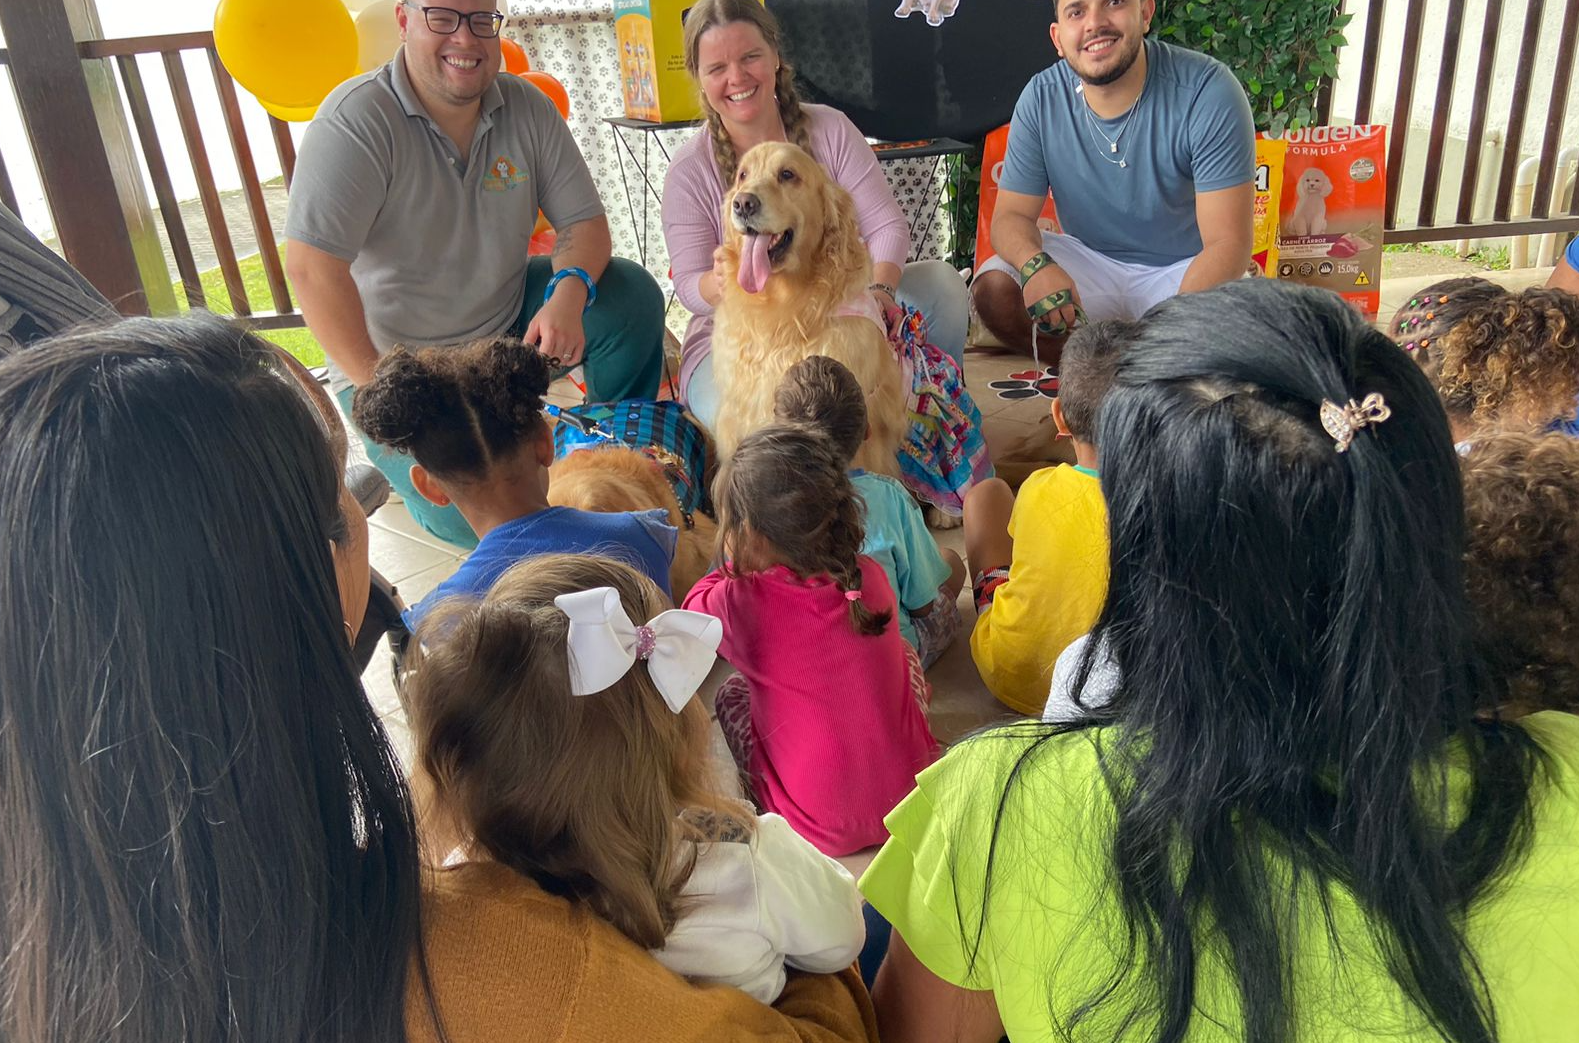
(436, 239)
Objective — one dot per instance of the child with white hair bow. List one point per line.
(562, 739)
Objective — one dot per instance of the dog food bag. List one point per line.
(1269, 198)
(1334, 204)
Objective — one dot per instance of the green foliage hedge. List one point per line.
(1281, 50)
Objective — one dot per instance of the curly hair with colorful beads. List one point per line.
(1421, 324)
(1521, 496)
(1514, 361)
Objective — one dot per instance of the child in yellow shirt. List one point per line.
(1040, 560)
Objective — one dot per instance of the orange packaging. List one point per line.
(1334, 204)
(1269, 199)
(991, 168)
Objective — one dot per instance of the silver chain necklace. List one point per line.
(1096, 129)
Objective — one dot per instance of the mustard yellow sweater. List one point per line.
(510, 963)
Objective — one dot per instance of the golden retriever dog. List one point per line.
(1312, 188)
(620, 479)
(792, 260)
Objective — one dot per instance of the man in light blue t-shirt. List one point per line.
(1149, 153)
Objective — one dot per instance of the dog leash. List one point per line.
(580, 423)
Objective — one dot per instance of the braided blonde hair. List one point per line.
(710, 14)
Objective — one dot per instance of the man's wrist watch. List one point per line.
(580, 273)
(1037, 262)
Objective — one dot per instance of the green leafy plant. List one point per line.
(1283, 51)
(964, 196)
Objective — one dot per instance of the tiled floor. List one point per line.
(416, 562)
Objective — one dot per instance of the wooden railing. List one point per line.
(1435, 218)
(7, 192)
(122, 54)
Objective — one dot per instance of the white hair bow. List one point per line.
(678, 646)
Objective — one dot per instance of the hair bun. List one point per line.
(507, 387)
(405, 393)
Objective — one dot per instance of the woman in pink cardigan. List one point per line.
(748, 93)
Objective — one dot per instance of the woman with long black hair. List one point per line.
(204, 834)
(1287, 825)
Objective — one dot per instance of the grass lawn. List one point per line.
(1493, 258)
(298, 342)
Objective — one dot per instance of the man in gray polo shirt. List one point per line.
(1149, 153)
(414, 197)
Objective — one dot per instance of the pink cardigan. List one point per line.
(693, 221)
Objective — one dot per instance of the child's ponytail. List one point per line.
(845, 536)
(787, 487)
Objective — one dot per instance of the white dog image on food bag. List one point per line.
(1310, 211)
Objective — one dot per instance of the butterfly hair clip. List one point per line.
(1341, 422)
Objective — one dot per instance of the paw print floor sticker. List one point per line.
(1029, 383)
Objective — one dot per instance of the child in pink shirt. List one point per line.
(827, 717)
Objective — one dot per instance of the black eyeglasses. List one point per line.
(445, 20)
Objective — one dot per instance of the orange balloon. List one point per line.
(542, 224)
(514, 57)
(553, 88)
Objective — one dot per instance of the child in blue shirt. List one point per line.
(471, 418)
(822, 393)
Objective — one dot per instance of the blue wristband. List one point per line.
(580, 273)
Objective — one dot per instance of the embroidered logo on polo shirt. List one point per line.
(502, 176)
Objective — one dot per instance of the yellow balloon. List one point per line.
(289, 115)
(356, 5)
(377, 36)
(289, 53)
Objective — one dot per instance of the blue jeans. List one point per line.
(624, 359)
(933, 288)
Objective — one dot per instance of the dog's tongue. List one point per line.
(754, 266)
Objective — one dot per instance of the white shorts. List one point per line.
(1108, 289)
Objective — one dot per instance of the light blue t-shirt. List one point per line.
(1570, 427)
(1190, 131)
(898, 540)
(643, 540)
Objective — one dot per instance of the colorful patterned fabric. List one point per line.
(987, 583)
(659, 430)
(943, 453)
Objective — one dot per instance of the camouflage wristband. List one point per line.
(1034, 265)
